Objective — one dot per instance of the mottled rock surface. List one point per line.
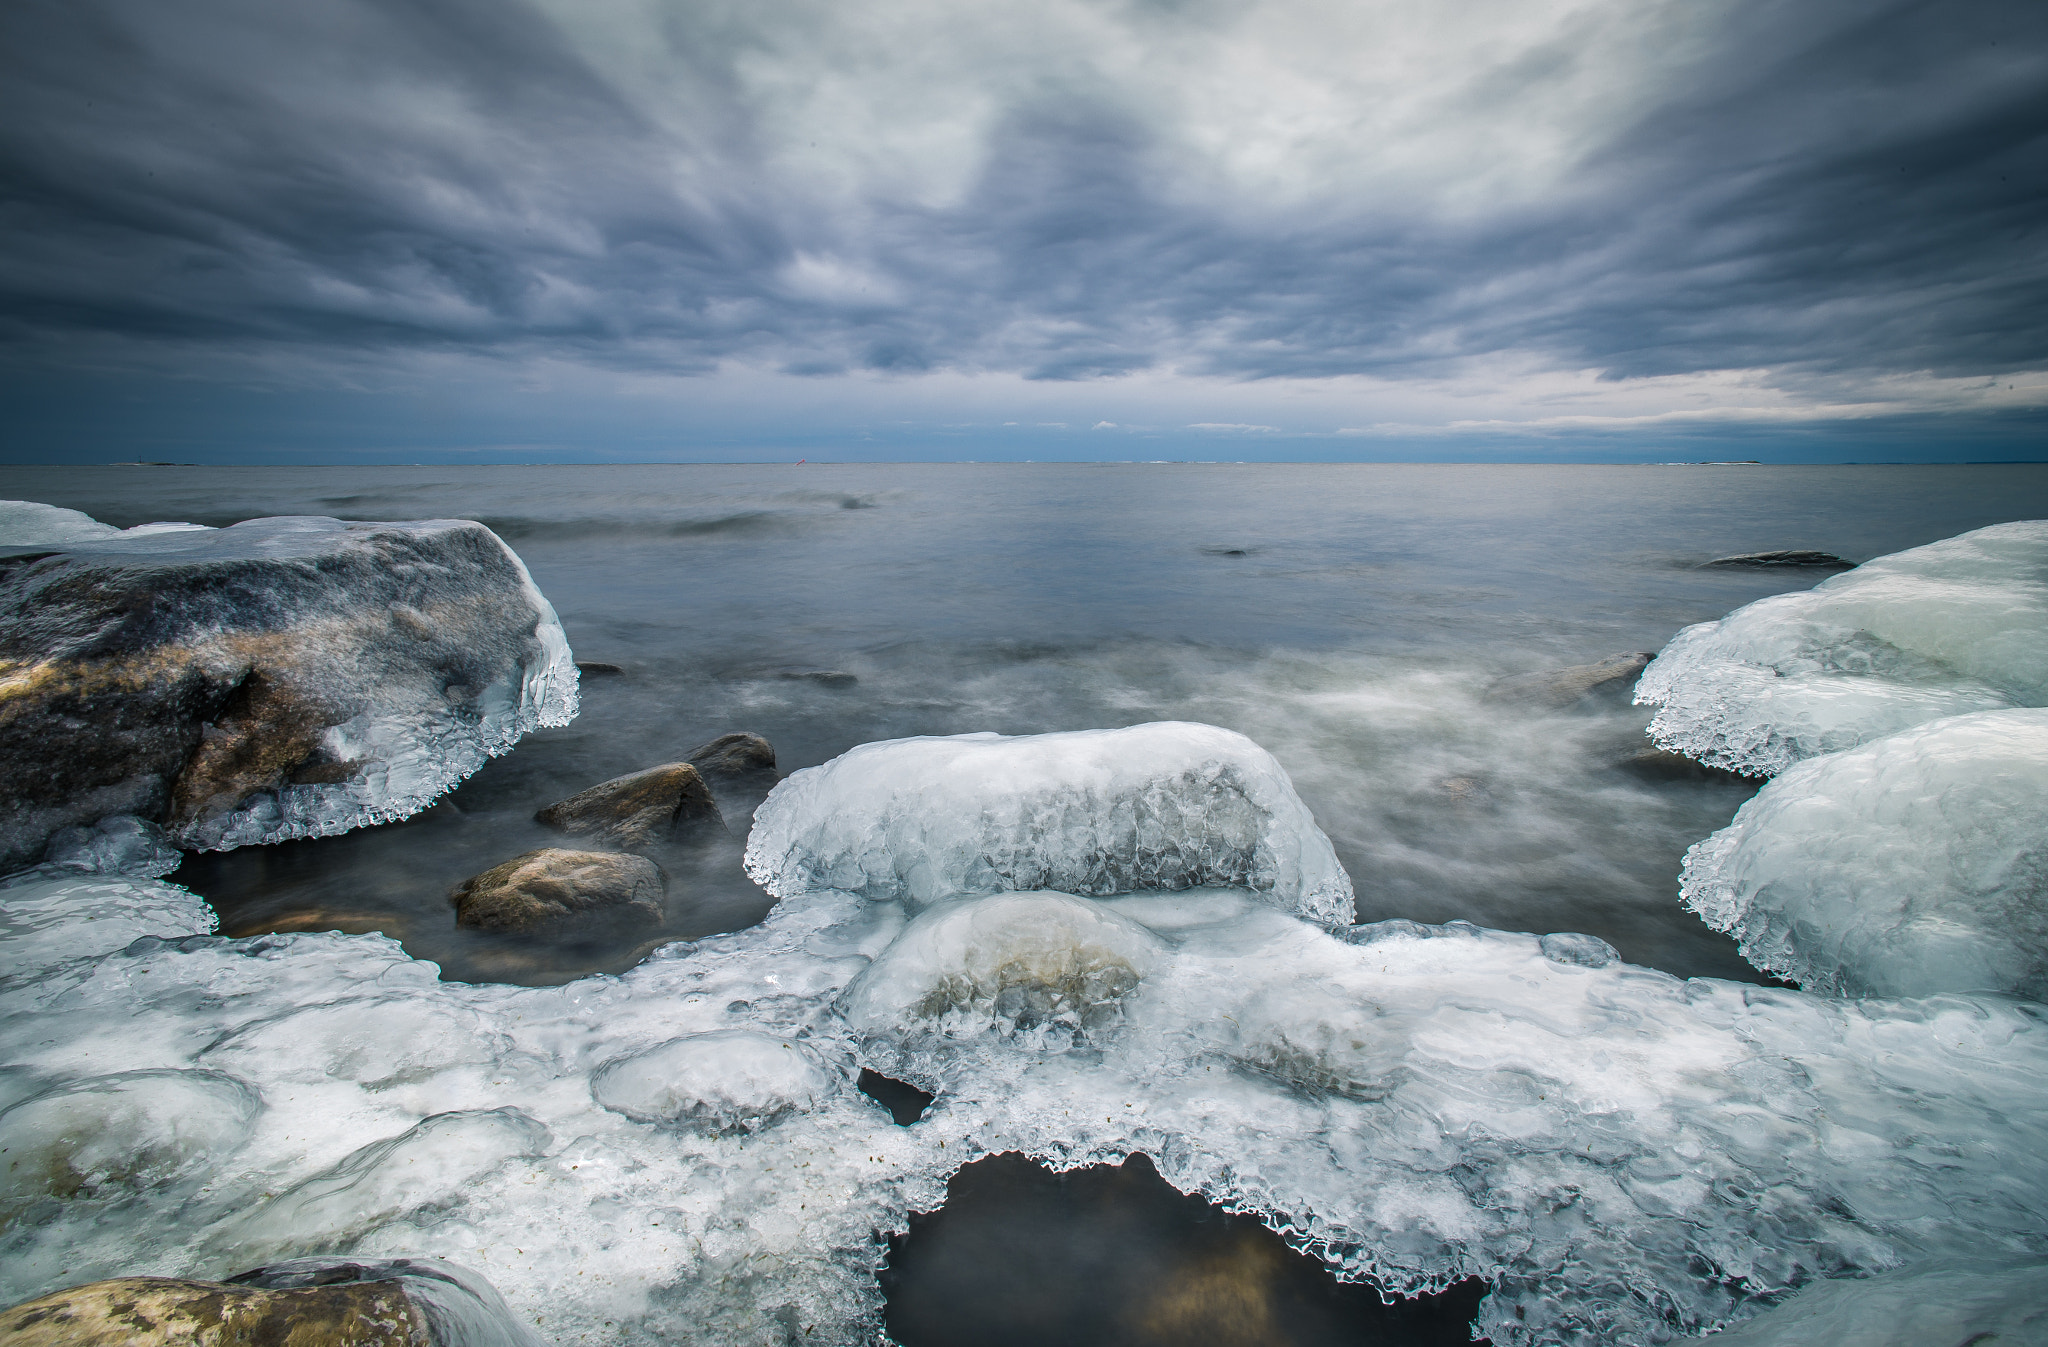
(1563, 687)
(164, 1310)
(737, 754)
(638, 810)
(552, 885)
(282, 678)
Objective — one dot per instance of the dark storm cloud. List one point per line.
(1830, 187)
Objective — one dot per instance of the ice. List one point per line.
(1914, 864)
(1626, 1156)
(725, 1081)
(1995, 1302)
(282, 678)
(1946, 629)
(113, 1135)
(1165, 806)
(50, 916)
(1042, 964)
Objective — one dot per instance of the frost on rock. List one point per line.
(282, 678)
(1915, 864)
(1946, 629)
(727, 1080)
(1624, 1156)
(1164, 806)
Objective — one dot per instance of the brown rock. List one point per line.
(146, 1311)
(1560, 688)
(734, 755)
(551, 885)
(638, 810)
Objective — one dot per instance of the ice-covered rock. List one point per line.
(108, 1136)
(552, 885)
(1169, 805)
(724, 1081)
(1955, 1302)
(281, 678)
(1011, 962)
(461, 1308)
(29, 523)
(1949, 628)
(1914, 864)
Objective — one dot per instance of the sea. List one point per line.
(1362, 622)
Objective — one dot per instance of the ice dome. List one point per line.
(1914, 864)
(1953, 627)
(1169, 805)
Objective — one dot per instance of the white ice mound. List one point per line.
(111, 1136)
(1953, 627)
(1014, 963)
(1169, 805)
(1953, 1302)
(1911, 865)
(49, 917)
(282, 678)
(724, 1081)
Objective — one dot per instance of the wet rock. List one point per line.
(1658, 764)
(1772, 560)
(738, 754)
(593, 668)
(549, 886)
(638, 810)
(136, 1311)
(303, 1302)
(281, 678)
(1559, 688)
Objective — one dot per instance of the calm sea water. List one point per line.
(1349, 618)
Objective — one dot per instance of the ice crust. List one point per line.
(1995, 1302)
(29, 523)
(1165, 806)
(1954, 627)
(1627, 1156)
(1914, 864)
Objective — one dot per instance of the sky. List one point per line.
(297, 231)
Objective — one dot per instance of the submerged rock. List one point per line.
(637, 810)
(551, 885)
(1560, 688)
(1820, 560)
(282, 678)
(304, 1302)
(722, 1082)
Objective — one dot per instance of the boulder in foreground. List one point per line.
(638, 810)
(283, 678)
(545, 887)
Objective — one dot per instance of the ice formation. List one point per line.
(282, 678)
(1956, 1302)
(1953, 627)
(28, 523)
(1626, 1156)
(1169, 805)
(1914, 864)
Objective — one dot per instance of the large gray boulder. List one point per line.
(290, 677)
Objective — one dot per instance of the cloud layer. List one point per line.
(1836, 193)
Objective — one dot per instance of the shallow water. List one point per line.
(1349, 618)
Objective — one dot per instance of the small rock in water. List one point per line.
(1817, 560)
(736, 754)
(543, 887)
(637, 810)
(1560, 688)
(593, 668)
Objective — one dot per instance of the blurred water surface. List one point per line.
(1348, 617)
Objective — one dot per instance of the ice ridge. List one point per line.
(1954, 627)
(1163, 806)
